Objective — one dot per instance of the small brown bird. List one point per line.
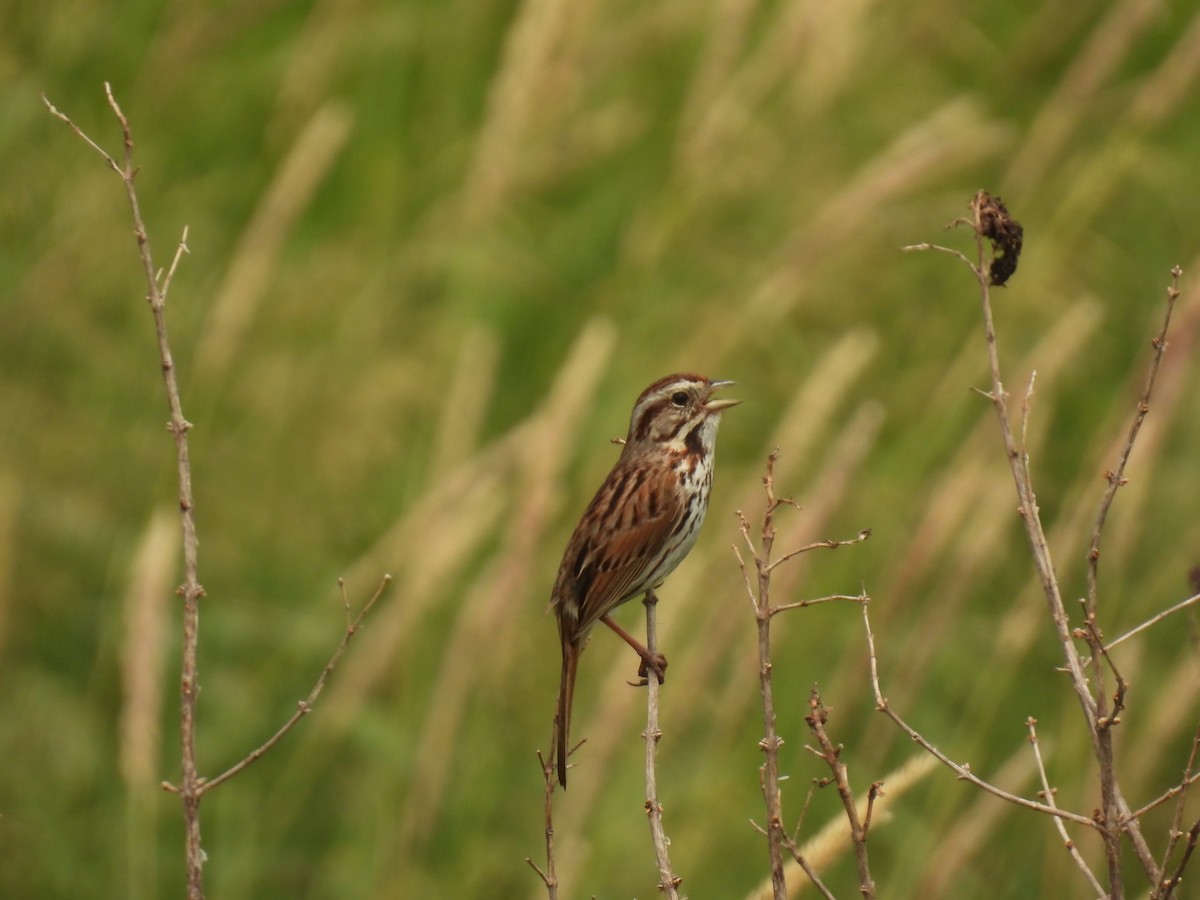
(639, 526)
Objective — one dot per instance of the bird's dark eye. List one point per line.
(679, 398)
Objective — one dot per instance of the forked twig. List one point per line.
(190, 787)
(817, 718)
(758, 590)
(1176, 877)
(990, 221)
(1190, 775)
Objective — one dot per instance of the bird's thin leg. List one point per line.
(651, 662)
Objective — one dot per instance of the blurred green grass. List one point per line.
(436, 250)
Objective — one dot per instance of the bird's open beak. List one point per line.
(716, 405)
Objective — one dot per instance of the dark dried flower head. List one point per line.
(1005, 233)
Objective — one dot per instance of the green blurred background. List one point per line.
(436, 250)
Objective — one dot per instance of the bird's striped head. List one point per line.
(679, 409)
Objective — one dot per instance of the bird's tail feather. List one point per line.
(562, 718)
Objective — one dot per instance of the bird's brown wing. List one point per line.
(611, 564)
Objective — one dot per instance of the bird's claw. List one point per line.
(656, 664)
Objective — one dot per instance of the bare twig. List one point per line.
(668, 881)
(826, 844)
(1176, 878)
(305, 706)
(1116, 477)
(771, 742)
(988, 219)
(758, 590)
(795, 835)
(820, 545)
(190, 787)
(1091, 633)
(180, 249)
(1027, 499)
(1059, 824)
(1153, 620)
(817, 718)
(1175, 791)
(938, 248)
(1026, 405)
(963, 771)
(789, 843)
(800, 604)
(792, 845)
(1114, 808)
(548, 875)
(1173, 833)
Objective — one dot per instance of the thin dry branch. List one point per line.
(963, 771)
(1153, 620)
(1114, 807)
(669, 882)
(305, 706)
(1173, 833)
(814, 601)
(819, 545)
(1116, 478)
(1110, 715)
(548, 875)
(190, 787)
(758, 589)
(990, 221)
(1048, 793)
(817, 718)
(1173, 792)
(1176, 877)
(793, 848)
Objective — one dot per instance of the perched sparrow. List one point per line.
(639, 526)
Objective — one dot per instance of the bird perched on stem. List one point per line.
(639, 526)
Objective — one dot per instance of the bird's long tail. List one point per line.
(562, 718)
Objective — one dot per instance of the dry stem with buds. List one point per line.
(758, 588)
(549, 874)
(1100, 705)
(192, 786)
(668, 883)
